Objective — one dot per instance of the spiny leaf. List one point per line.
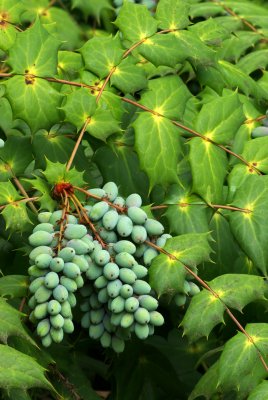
(45, 200)
(256, 153)
(33, 100)
(16, 217)
(159, 146)
(11, 323)
(185, 212)
(260, 392)
(206, 311)
(210, 31)
(220, 118)
(79, 105)
(101, 54)
(18, 371)
(167, 96)
(92, 7)
(103, 124)
(240, 359)
(14, 285)
(142, 23)
(209, 168)
(172, 15)
(168, 275)
(56, 172)
(15, 157)
(128, 77)
(34, 52)
(250, 229)
(8, 193)
(207, 384)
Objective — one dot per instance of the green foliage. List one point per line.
(166, 99)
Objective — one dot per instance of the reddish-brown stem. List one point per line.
(76, 205)
(20, 201)
(25, 194)
(161, 206)
(215, 294)
(80, 137)
(260, 118)
(63, 220)
(85, 217)
(105, 83)
(128, 51)
(22, 304)
(93, 196)
(192, 131)
(65, 82)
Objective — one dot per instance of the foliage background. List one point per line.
(174, 124)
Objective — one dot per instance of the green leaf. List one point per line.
(167, 96)
(16, 217)
(135, 22)
(175, 47)
(158, 145)
(168, 275)
(34, 52)
(103, 124)
(256, 153)
(8, 193)
(172, 15)
(185, 212)
(206, 311)
(18, 371)
(8, 35)
(220, 118)
(14, 285)
(128, 77)
(11, 323)
(253, 61)
(12, 10)
(235, 46)
(80, 105)
(225, 248)
(60, 24)
(45, 199)
(260, 392)
(117, 164)
(240, 359)
(210, 31)
(92, 7)
(207, 385)
(35, 101)
(6, 120)
(55, 172)
(101, 54)
(250, 229)
(235, 77)
(15, 157)
(209, 168)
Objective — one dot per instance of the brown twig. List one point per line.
(105, 83)
(226, 207)
(93, 196)
(80, 137)
(63, 220)
(22, 304)
(20, 201)
(215, 294)
(84, 216)
(260, 118)
(25, 194)
(65, 382)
